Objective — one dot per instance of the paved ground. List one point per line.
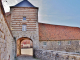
(24, 57)
(27, 51)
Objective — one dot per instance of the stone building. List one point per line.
(59, 38)
(21, 23)
(44, 36)
(7, 43)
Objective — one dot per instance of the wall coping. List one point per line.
(60, 52)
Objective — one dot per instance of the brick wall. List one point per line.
(31, 14)
(17, 19)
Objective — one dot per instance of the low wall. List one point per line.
(56, 55)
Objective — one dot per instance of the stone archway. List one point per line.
(19, 41)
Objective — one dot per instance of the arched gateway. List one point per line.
(24, 24)
(24, 46)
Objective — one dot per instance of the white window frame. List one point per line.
(24, 27)
(24, 18)
(44, 43)
(59, 42)
(69, 42)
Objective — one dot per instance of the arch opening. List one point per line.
(24, 46)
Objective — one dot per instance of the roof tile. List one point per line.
(56, 32)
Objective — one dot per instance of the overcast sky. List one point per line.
(59, 12)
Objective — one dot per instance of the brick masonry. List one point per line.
(31, 21)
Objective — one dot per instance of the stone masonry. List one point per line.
(62, 45)
(57, 38)
(56, 55)
(7, 47)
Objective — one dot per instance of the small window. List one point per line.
(59, 42)
(24, 18)
(44, 43)
(23, 27)
(69, 42)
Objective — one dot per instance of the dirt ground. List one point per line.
(27, 51)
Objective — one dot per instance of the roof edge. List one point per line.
(60, 40)
(57, 25)
(23, 7)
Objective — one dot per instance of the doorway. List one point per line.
(27, 47)
(24, 47)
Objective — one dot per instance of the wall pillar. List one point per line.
(18, 48)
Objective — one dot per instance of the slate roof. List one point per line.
(24, 3)
(57, 32)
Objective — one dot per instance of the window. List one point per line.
(44, 43)
(23, 27)
(59, 42)
(69, 42)
(24, 18)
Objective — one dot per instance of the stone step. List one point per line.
(23, 57)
